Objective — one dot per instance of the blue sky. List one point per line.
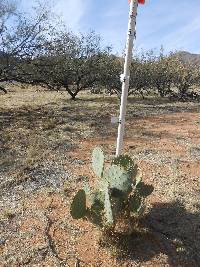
(173, 24)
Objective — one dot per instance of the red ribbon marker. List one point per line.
(139, 2)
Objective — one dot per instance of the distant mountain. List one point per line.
(189, 57)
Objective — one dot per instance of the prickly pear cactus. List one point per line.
(135, 203)
(108, 209)
(118, 178)
(98, 161)
(120, 191)
(127, 163)
(143, 189)
(78, 207)
(96, 210)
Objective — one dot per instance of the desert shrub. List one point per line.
(119, 197)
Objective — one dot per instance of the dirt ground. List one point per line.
(45, 149)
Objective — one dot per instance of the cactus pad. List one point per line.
(135, 203)
(108, 208)
(98, 161)
(127, 163)
(144, 190)
(78, 207)
(124, 161)
(119, 179)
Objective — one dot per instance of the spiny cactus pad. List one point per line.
(78, 207)
(127, 163)
(143, 189)
(97, 208)
(98, 161)
(124, 161)
(108, 208)
(118, 178)
(135, 203)
(86, 188)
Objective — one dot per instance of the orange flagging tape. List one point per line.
(139, 2)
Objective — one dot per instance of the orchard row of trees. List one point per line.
(38, 49)
(169, 76)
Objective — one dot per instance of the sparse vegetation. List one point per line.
(53, 210)
(46, 142)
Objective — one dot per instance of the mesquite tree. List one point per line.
(72, 62)
(109, 72)
(186, 77)
(164, 75)
(141, 75)
(33, 50)
(21, 38)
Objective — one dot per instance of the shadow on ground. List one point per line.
(171, 231)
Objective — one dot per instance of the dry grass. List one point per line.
(46, 142)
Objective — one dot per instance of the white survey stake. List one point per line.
(126, 75)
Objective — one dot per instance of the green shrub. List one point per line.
(120, 193)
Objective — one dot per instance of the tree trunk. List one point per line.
(142, 94)
(73, 96)
(161, 91)
(183, 91)
(3, 89)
